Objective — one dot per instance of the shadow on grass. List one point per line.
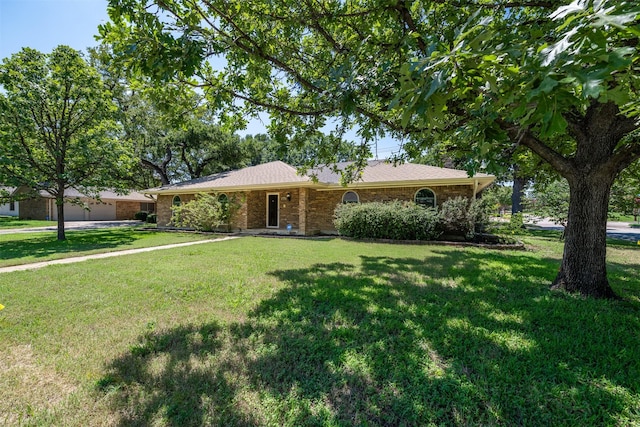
(46, 245)
(462, 337)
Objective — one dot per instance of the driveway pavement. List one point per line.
(616, 230)
(73, 225)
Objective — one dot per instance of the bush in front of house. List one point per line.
(397, 220)
(207, 212)
(463, 217)
(393, 220)
(141, 216)
(152, 218)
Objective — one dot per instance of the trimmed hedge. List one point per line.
(408, 221)
(393, 220)
(141, 216)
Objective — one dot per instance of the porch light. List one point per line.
(289, 197)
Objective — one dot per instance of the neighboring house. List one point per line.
(275, 199)
(10, 208)
(111, 206)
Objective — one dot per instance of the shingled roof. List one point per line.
(278, 174)
(380, 171)
(269, 174)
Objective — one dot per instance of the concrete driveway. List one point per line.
(74, 225)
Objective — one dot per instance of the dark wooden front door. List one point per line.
(272, 210)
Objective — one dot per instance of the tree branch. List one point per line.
(523, 136)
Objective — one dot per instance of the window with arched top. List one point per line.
(176, 201)
(350, 197)
(425, 197)
(223, 199)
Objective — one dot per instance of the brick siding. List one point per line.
(309, 211)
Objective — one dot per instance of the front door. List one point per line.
(272, 211)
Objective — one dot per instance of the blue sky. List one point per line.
(45, 24)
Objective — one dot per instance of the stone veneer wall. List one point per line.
(321, 204)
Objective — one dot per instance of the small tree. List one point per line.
(207, 212)
(56, 127)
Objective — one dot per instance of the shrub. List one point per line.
(205, 213)
(152, 218)
(393, 220)
(461, 217)
(141, 216)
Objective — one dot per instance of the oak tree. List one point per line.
(558, 79)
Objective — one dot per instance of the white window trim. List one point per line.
(435, 197)
(350, 191)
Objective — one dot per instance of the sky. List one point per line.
(45, 24)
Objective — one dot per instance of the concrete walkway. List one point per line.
(37, 265)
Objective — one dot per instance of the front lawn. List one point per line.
(263, 331)
(15, 222)
(25, 248)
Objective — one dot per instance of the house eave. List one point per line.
(231, 188)
(480, 182)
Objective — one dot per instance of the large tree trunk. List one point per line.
(584, 267)
(518, 191)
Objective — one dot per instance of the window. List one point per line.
(425, 197)
(147, 207)
(223, 199)
(176, 201)
(12, 205)
(350, 197)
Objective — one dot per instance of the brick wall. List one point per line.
(126, 210)
(309, 211)
(34, 208)
(163, 207)
(288, 209)
(321, 204)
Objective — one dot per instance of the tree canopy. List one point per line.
(56, 127)
(558, 79)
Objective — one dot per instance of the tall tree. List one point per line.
(56, 127)
(173, 134)
(205, 148)
(305, 154)
(560, 80)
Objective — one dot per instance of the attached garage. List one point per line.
(71, 212)
(111, 206)
(104, 211)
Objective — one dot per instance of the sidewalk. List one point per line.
(37, 265)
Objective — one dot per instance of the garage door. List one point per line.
(71, 212)
(105, 211)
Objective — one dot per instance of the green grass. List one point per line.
(25, 248)
(259, 331)
(14, 222)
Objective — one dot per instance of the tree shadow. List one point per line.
(462, 337)
(46, 245)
